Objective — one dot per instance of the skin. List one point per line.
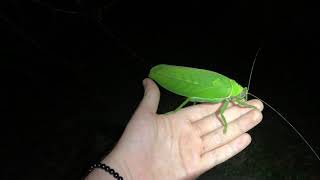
(179, 145)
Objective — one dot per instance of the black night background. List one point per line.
(71, 76)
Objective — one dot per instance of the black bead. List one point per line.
(107, 169)
(116, 175)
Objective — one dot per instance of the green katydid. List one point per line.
(200, 85)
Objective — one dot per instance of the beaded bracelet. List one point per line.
(107, 169)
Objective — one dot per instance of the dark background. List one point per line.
(71, 76)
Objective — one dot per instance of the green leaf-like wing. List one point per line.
(191, 82)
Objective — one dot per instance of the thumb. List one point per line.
(151, 97)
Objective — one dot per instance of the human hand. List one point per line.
(179, 145)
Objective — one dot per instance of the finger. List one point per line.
(151, 97)
(225, 152)
(213, 122)
(243, 124)
(199, 111)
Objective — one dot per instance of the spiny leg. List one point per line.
(223, 108)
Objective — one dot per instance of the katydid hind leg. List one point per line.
(182, 104)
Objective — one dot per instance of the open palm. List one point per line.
(180, 145)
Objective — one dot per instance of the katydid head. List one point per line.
(244, 94)
(240, 92)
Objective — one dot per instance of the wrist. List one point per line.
(118, 167)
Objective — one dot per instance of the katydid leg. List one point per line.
(223, 108)
(244, 104)
(183, 104)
